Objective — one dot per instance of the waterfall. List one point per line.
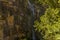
(31, 7)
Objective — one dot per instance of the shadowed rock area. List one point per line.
(17, 19)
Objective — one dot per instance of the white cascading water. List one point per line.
(31, 7)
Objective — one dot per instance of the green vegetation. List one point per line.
(49, 25)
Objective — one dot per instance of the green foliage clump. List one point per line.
(50, 3)
(49, 24)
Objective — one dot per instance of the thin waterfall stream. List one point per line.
(31, 7)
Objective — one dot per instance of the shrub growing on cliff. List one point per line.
(49, 25)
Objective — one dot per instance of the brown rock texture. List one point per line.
(15, 20)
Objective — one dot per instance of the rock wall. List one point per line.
(15, 19)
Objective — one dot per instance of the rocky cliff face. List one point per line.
(15, 19)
